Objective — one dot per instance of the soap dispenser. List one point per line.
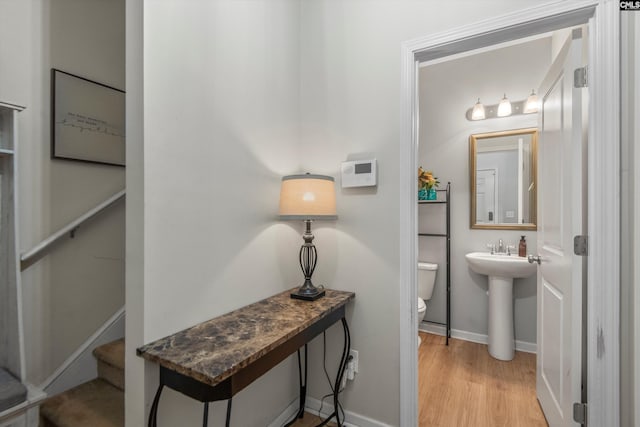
(522, 247)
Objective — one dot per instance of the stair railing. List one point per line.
(41, 249)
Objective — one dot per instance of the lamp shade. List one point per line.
(307, 197)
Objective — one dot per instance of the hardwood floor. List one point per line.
(462, 385)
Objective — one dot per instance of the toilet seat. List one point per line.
(422, 306)
(422, 310)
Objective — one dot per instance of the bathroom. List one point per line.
(448, 90)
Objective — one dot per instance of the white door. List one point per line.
(486, 196)
(561, 216)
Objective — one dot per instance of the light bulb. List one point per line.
(531, 104)
(504, 108)
(478, 111)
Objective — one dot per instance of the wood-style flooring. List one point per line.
(462, 385)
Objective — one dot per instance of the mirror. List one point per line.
(502, 168)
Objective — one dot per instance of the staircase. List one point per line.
(97, 403)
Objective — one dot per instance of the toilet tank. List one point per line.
(426, 279)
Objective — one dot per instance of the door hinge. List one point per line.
(580, 77)
(580, 413)
(580, 245)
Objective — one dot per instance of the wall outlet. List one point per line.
(354, 360)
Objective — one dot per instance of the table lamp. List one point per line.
(307, 197)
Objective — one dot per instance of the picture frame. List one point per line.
(87, 120)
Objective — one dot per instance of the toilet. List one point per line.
(426, 280)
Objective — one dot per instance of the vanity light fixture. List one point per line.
(478, 111)
(531, 104)
(504, 108)
(308, 197)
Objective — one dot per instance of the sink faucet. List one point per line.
(500, 249)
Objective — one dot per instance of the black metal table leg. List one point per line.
(228, 422)
(339, 375)
(303, 387)
(153, 414)
(205, 417)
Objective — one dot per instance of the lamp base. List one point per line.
(300, 294)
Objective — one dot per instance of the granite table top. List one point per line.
(213, 351)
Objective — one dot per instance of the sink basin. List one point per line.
(501, 270)
(500, 265)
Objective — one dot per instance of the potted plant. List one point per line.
(427, 184)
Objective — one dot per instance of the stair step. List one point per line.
(12, 391)
(95, 403)
(110, 359)
(111, 353)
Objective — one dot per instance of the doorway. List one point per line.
(493, 151)
(601, 327)
(487, 198)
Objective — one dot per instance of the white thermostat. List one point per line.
(359, 173)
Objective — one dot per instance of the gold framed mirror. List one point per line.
(503, 175)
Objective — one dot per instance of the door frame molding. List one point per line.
(603, 272)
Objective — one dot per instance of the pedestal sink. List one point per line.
(501, 270)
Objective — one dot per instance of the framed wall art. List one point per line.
(87, 120)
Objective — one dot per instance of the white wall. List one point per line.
(212, 132)
(15, 49)
(86, 38)
(351, 107)
(349, 89)
(68, 294)
(447, 90)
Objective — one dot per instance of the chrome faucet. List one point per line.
(500, 248)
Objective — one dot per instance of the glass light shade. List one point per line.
(478, 111)
(531, 104)
(307, 197)
(504, 108)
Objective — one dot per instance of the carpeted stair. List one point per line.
(97, 403)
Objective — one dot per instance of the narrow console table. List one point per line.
(216, 359)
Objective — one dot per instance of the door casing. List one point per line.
(603, 273)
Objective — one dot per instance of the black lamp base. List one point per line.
(307, 296)
(308, 257)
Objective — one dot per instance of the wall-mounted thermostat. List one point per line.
(359, 173)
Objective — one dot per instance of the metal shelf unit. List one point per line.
(447, 236)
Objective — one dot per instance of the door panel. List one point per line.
(560, 296)
(551, 356)
(552, 160)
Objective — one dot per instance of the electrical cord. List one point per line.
(333, 391)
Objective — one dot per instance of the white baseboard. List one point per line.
(285, 415)
(527, 347)
(25, 413)
(81, 366)
(313, 405)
